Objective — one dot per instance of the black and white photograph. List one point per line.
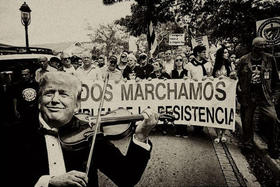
(144, 93)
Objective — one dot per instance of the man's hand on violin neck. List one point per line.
(72, 178)
(144, 128)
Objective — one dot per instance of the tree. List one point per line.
(162, 11)
(108, 39)
(221, 20)
(233, 20)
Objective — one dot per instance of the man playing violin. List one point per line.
(44, 162)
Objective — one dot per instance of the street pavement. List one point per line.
(177, 161)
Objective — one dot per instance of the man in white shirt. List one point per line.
(45, 161)
(88, 71)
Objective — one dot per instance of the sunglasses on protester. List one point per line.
(179, 60)
(113, 61)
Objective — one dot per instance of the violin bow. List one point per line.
(97, 124)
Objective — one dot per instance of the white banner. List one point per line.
(203, 103)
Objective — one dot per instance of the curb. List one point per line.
(244, 176)
(261, 150)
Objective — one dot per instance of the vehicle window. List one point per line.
(14, 66)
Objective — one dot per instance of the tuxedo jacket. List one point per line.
(26, 160)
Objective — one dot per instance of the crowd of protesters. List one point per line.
(255, 85)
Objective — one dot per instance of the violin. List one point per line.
(114, 125)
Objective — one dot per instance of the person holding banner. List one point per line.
(179, 72)
(146, 67)
(257, 73)
(45, 161)
(158, 72)
(133, 71)
(222, 68)
(199, 66)
(198, 69)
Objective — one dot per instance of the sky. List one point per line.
(55, 21)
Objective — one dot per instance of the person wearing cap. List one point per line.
(257, 74)
(146, 67)
(44, 67)
(88, 71)
(55, 62)
(114, 73)
(39, 158)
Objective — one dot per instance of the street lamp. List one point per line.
(25, 20)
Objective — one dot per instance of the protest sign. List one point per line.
(177, 39)
(202, 40)
(269, 29)
(202, 103)
(132, 46)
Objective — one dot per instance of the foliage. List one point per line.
(109, 39)
(233, 20)
(161, 12)
(230, 20)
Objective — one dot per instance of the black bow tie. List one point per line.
(45, 131)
